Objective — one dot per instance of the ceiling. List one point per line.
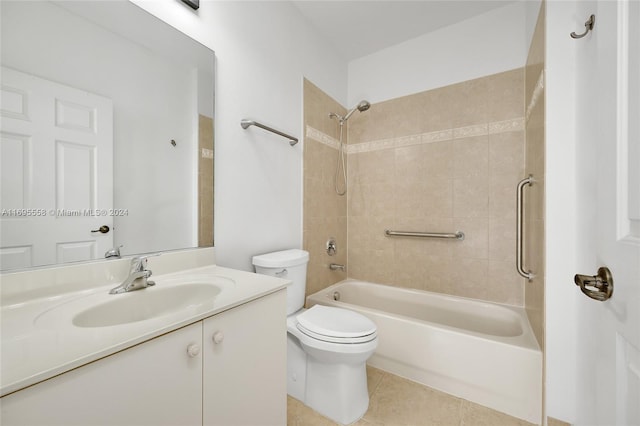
(359, 27)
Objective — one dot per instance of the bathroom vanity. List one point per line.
(81, 357)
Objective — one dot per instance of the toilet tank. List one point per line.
(290, 265)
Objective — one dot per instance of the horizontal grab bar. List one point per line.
(458, 235)
(246, 123)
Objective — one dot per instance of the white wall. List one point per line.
(561, 208)
(531, 12)
(493, 42)
(263, 50)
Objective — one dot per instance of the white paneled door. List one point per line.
(610, 347)
(619, 199)
(56, 156)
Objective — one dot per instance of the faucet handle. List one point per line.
(139, 263)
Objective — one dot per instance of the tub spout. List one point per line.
(336, 266)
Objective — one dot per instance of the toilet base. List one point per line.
(296, 369)
(335, 390)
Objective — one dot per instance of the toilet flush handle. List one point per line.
(282, 273)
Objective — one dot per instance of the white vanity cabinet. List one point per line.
(180, 378)
(245, 363)
(154, 383)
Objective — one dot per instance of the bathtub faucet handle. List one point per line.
(332, 248)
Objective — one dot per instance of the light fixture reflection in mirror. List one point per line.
(92, 95)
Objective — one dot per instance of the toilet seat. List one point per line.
(336, 325)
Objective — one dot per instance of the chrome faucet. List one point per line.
(137, 279)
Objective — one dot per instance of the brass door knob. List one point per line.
(103, 229)
(598, 287)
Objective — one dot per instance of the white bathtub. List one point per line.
(480, 351)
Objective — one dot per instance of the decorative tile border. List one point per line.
(513, 125)
(207, 153)
(323, 138)
(370, 146)
(439, 136)
(470, 131)
(407, 141)
(537, 91)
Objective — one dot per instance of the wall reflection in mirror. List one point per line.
(107, 134)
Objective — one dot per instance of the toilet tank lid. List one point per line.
(281, 259)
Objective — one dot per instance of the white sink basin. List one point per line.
(145, 304)
(181, 297)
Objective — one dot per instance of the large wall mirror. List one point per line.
(107, 133)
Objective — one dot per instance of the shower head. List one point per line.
(362, 107)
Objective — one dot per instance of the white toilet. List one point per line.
(327, 347)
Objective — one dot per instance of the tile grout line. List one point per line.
(461, 411)
(384, 373)
(537, 92)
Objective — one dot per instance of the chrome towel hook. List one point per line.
(591, 22)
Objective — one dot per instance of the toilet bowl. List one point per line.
(327, 347)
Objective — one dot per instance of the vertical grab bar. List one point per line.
(519, 229)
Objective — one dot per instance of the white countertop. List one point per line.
(39, 341)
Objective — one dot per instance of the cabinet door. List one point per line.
(155, 383)
(245, 364)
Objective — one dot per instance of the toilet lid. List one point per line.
(336, 325)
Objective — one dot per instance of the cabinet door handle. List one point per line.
(218, 337)
(193, 350)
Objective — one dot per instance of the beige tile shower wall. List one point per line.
(443, 160)
(534, 165)
(325, 213)
(205, 181)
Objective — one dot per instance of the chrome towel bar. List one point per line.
(519, 228)
(458, 235)
(246, 123)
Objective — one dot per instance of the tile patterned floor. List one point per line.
(394, 401)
